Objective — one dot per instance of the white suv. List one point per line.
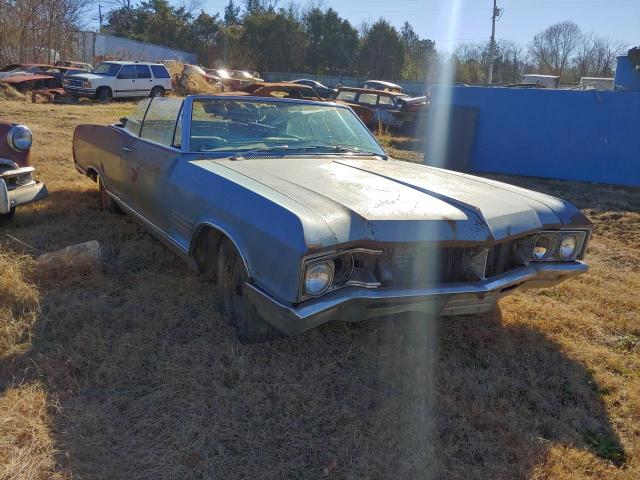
(120, 79)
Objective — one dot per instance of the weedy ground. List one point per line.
(130, 372)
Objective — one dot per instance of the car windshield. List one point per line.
(108, 69)
(242, 125)
(74, 71)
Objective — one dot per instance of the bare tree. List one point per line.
(40, 30)
(596, 56)
(553, 49)
(471, 63)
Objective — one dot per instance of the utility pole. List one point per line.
(492, 45)
(100, 15)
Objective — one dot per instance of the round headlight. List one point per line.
(19, 138)
(542, 247)
(568, 247)
(318, 278)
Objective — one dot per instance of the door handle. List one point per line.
(127, 149)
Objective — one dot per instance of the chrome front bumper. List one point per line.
(356, 304)
(20, 194)
(80, 91)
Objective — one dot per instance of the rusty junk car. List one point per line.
(298, 214)
(305, 92)
(385, 105)
(17, 185)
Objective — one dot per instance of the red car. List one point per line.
(17, 185)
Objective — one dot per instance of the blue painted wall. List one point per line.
(566, 134)
(627, 77)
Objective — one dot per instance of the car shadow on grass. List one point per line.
(147, 381)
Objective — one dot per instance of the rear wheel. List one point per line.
(106, 201)
(157, 92)
(250, 327)
(7, 217)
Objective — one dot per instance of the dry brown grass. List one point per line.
(130, 372)
(7, 92)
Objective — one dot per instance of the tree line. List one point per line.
(263, 36)
(562, 49)
(260, 35)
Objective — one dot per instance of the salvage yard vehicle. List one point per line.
(29, 76)
(320, 89)
(297, 213)
(385, 105)
(412, 112)
(382, 85)
(295, 90)
(246, 77)
(119, 79)
(17, 186)
(226, 79)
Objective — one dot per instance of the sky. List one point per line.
(520, 21)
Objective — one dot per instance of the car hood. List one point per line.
(86, 76)
(391, 200)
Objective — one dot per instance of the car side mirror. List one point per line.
(123, 120)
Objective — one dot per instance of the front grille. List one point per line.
(75, 83)
(411, 266)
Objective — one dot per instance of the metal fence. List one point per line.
(565, 134)
(417, 87)
(90, 46)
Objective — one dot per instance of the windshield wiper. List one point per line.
(308, 149)
(343, 149)
(241, 155)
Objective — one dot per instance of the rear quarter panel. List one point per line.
(98, 148)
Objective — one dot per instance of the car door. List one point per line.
(149, 161)
(126, 82)
(384, 108)
(370, 100)
(144, 80)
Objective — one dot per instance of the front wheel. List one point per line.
(250, 327)
(104, 94)
(157, 92)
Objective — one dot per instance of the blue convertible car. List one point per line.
(297, 213)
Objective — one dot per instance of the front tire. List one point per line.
(104, 94)
(250, 327)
